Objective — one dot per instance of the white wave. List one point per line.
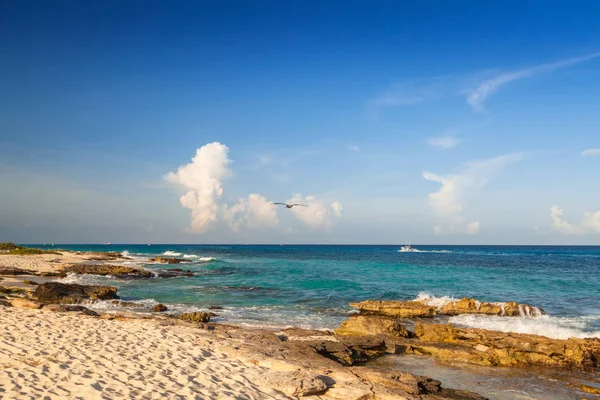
(544, 325)
(85, 279)
(434, 301)
(171, 253)
(198, 258)
(125, 253)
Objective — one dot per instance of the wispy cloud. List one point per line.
(591, 153)
(353, 148)
(457, 189)
(410, 93)
(446, 141)
(477, 96)
(590, 223)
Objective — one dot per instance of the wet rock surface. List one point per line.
(117, 271)
(168, 260)
(159, 308)
(199, 316)
(65, 293)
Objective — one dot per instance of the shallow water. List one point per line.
(496, 383)
(310, 286)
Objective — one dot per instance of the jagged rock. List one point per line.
(5, 303)
(301, 384)
(215, 308)
(167, 260)
(14, 271)
(361, 325)
(199, 316)
(159, 308)
(70, 308)
(472, 306)
(117, 271)
(485, 347)
(64, 293)
(25, 303)
(350, 351)
(173, 273)
(398, 309)
(125, 303)
(30, 282)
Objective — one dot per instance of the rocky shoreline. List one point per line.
(330, 365)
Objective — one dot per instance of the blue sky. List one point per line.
(434, 122)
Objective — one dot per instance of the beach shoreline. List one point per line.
(227, 361)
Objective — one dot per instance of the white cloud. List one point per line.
(317, 214)
(591, 153)
(443, 142)
(457, 189)
(255, 212)
(337, 208)
(201, 178)
(590, 223)
(477, 96)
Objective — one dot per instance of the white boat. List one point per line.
(407, 249)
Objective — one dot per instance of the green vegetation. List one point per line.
(11, 248)
(28, 282)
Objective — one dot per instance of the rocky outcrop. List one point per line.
(398, 309)
(70, 308)
(159, 308)
(25, 303)
(14, 271)
(167, 260)
(421, 308)
(350, 351)
(64, 293)
(199, 316)
(479, 346)
(118, 271)
(173, 273)
(364, 325)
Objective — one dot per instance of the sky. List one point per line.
(432, 122)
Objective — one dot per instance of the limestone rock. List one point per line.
(352, 350)
(65, 293)
(159, 308)
(167, 260)
(301, 384)
(14, 271)
(362, 325)
(25, 303)
(5, 303)
(472, 306)
(173, 273)
(70, 308)
(199, 316)
(398, 309)
(117, 271)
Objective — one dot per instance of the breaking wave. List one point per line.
(171, 253)
(543, 325)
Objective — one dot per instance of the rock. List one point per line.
(173, 273)
(159, 308)
(479, 346)
(25, 303)
(14, 271)
(398, 309)
(361, 325)
(167, 260)
(472, 306)
(70, 308)
(65, 293)
(353, 350)
(125, 303)
(199, 316)
(5, 303)
(215, 308)
(117, 271)
(301, 384)
(589, 389)
(28, 282)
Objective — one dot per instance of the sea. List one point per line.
(310, 286)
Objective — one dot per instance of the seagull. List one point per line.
(290, 205)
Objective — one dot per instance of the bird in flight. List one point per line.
(290, 205)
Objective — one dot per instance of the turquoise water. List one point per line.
(310, 286)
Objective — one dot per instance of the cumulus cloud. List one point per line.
(201, 179)
(590, 223)
(457, 189)
(591, 153)
(477, 96)
(317, 214)
(254, 212)
(443, 142)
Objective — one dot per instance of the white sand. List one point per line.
(47, 355)
(42, 262)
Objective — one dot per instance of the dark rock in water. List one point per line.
(352, 350)
(173, 273)
(70, 308)
(167, 260)
(125, 303)
(159, 308)
(117, 271)
(215, 308)
(65, 293)
(199, 316)
(28, 282)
